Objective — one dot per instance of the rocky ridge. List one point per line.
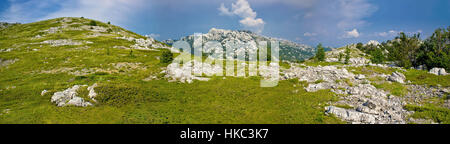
(289, 51)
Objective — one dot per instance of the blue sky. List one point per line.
(331, 22)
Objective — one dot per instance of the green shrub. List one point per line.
(117, 94)
(93, 23)
(377, 56)
(166, 57)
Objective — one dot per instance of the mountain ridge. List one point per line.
(289, 51)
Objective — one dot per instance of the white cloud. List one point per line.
(390, 33)
(308, 34)
(351, 34)
(352, 12)
(224, 11)
(243, 9)
(295, 3)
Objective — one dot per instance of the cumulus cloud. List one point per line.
(243, 9)
(351, 34)
(308, 34)
(352, 12)
(106, 10)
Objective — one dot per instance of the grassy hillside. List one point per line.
(124, 96)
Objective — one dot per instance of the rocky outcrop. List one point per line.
(438, 71)
(69, 97)
(397, 77)
(289, 51)
(371, 106)
(372, 42)
(147, 44)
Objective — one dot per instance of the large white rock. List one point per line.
(351, 115)
(69, 97)
(438, 71)
(92, 93)
(397, 77)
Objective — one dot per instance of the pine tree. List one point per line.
(377, 56)
(320, 55)
(347, 55)
(341, 55)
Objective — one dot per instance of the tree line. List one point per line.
(410, 51)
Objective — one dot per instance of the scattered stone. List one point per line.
(5, 111)
(397, 77)
(370, 105)
(43, 92)
(316, 87)
(360, 77)
(63, 42)
(6, 50)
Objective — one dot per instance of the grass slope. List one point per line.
(123, 96)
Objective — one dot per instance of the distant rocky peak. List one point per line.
(373, 42)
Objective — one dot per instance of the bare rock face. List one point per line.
(438, 71)
(397, 77)
(69, 97)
